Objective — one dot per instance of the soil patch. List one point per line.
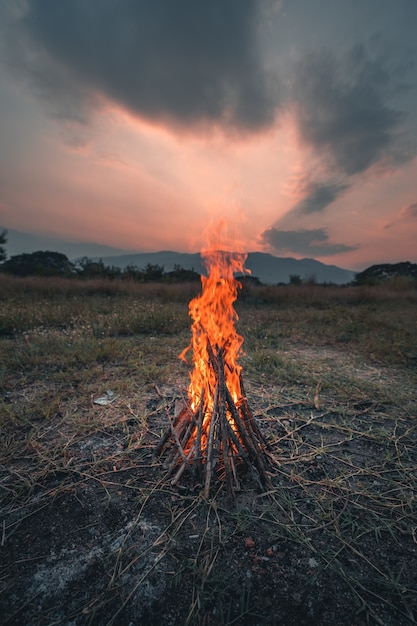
(92, 534)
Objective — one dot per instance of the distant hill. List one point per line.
(269, 269)
(377, 274)
(20, 243)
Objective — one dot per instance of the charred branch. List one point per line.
(214, 443)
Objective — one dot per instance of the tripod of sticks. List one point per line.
(216, 440)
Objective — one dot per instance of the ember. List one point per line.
(216, 432)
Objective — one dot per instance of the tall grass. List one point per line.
(377, 321)
(337, 531)
(322, 295)
(16, 287)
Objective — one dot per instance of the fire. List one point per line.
(213, 327)
(216, 433)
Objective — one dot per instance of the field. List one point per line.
(93, 534)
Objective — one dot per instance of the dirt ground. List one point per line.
(101, 538)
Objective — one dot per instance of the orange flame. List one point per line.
(213, 326)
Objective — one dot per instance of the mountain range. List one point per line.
(19, 242)
(268, 268)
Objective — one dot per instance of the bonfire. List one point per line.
(215, 434)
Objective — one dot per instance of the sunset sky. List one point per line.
(135, 123)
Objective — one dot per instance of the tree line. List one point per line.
(46, 263)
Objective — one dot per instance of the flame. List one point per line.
(213, 326)
(216, 432)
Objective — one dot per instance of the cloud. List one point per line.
(318, 195)
(186, 62)
(194, 62)
(342, 108)
(408, 212)
(342, 113)
(313, 242)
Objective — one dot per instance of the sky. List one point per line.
(138, 123)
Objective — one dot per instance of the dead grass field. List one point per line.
(92, 534)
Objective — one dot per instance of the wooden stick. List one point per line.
(179, 446)
(234, 472)
(250, 420)
(180, 420)
(235, 439)
(233, 435)
(164, 439)
(198, 460)
(223, 420)
(209, 462)
(182, 468)
(254, 454)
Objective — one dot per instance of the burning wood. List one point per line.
(216, 432)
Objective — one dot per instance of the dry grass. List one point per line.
(92, 534)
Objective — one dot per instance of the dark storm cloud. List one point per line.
(342, 108)
(318, 195)
(185, 61)
(342, 112)
(313, 242)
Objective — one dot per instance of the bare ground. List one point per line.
(93, 535)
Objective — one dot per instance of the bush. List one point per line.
(3, 239)
(42, 263)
